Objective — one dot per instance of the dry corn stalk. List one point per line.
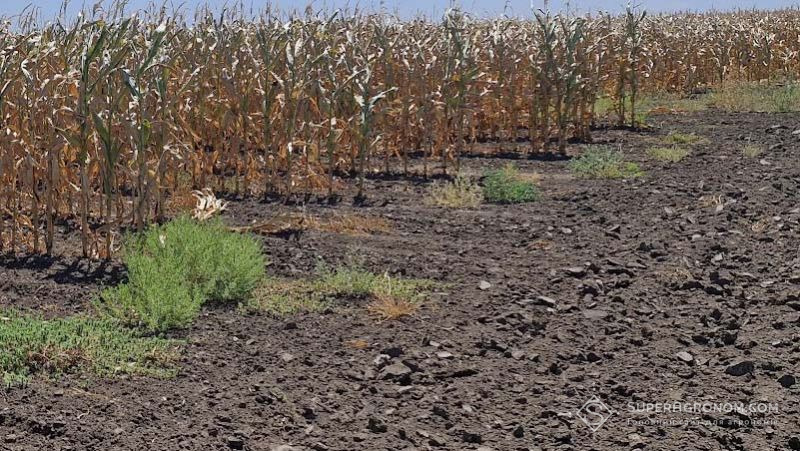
(105, 117)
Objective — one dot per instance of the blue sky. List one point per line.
(409, 8)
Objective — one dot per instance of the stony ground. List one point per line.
(682, 285)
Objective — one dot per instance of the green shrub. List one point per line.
(506, 186)
(32, 345)
(157, 297)
(176, 268)
(603, 162)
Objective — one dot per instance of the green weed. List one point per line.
(176, 268)
(603, 162)
(282, 297)
(32, 346)
(507, 186)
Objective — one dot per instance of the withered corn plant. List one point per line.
(108, 120)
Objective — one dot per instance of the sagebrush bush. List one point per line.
(176, 268)
(507, 186)
(605, 163)
(156, 297)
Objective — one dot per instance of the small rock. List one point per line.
(635, 264)
(396, 370)
(595, 314)
(433, 439)
(393, 352)
(546, 301)
(575, 271)
(566, 231)
(286, 357)
(235, 442)
(381, 360)
(377, 426)
(741, 368)
(787, 380)
(471, 437)
(517, 355)
(444, 355)
(685, 357)
(484, 285)
(794, 443)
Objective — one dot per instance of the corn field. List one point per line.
(107, 117)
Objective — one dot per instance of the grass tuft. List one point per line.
(603, 162)
(507, 186)
(33, 346)
(388, 293)
(684, 139)
(286, 297)
(751, 150)
(672, 154)
(389, 308)
(176, 268)
(460, 193)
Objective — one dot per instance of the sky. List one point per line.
(431, 8)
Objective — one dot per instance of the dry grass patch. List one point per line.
(297, 223)
(358, 343)
(684, 139)
(760, 226)
(390, 297)
(387, 308)
(672, 154)
(286, 297)
(711, 201)
(460, 193)
(675, 276)
(751, 150)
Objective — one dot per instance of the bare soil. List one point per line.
(700, 256)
